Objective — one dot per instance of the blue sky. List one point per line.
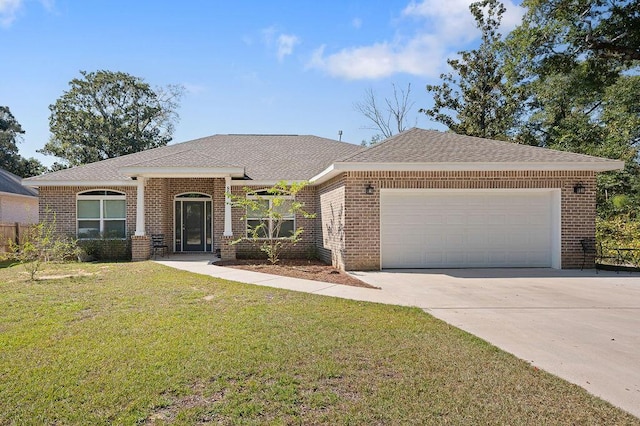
(294, 67)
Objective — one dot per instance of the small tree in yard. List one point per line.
(40, 244)
(270, 216)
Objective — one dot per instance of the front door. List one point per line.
(193, 223)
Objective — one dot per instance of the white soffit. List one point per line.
(337, 168)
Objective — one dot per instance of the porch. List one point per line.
(193, 214)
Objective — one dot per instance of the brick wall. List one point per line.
(346, 231)
(330, 223)
(61, 200)
(362, 211)
(307, 245)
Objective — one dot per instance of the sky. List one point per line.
(283, 67)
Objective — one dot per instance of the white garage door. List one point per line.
(469, 228)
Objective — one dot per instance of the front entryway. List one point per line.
(193, 223)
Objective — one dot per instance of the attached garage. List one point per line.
(470, 228)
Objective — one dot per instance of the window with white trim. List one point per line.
(101, 213)
(281, 218)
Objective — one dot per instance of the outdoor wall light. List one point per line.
(368, 189)
(578, 188)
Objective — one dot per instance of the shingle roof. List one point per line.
(431, 146)
(294, 157)
(264, 157)
(11, 184)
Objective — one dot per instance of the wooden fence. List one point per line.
(11, 232)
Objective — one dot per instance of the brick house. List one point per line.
(421, 199)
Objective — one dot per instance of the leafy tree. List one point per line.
(10, 134)
(599, 29)
(106, 114)
(389, 118)
(577, 63)
(475, 98)
(270, 210)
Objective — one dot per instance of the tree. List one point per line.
(577, 63)
(269, 213)
(107, 114)
(10, 134)
(389, 118)
(603, 29)
(475, 99)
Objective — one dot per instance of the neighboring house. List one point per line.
(17, 203)
(421, 199)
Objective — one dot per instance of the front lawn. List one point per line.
(140, 343)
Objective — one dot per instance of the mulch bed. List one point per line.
(306, 269)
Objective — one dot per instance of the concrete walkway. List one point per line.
(577, 325)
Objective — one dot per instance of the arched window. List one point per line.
(101, 213)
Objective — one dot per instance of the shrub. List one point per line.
(106, 249)
(40, 244)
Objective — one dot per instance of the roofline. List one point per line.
(340, 167)
(99, 183)
(13, 194)
(263, 182)
(182, 172)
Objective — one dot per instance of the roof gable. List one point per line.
(432, 146)
(12, 184)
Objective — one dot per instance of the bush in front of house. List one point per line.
(106, 249)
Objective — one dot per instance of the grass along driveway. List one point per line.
(140, 343)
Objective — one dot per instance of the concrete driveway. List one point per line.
(577, 325)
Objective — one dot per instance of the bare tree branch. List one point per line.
(389, 118)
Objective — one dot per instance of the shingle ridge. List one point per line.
(376, 146)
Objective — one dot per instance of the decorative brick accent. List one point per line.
(227, 250)
(140, 248)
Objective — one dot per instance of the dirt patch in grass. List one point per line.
(176, 405)
(306, 269)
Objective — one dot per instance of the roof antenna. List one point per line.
(340, 135)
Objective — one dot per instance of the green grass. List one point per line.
(5, 263)
(139, 343)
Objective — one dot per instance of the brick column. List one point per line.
(227, 250)
(140, 248)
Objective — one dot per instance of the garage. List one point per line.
(470, 228)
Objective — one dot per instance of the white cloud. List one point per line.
(420, 56)
(8, 11)
(286, 43)
(443, 28)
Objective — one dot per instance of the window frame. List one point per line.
(268, 219)
(110, 195)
